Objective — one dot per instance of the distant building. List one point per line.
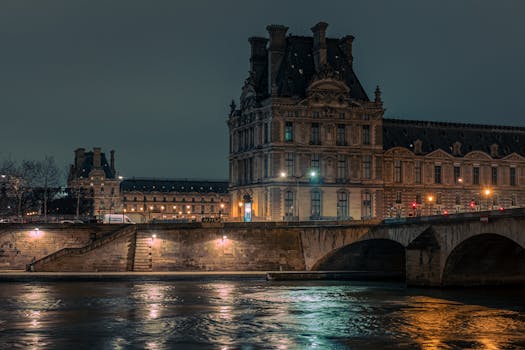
(96, 178)
(306, 143)
(166, 199)
(144, 199)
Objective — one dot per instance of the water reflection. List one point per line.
(250, 314)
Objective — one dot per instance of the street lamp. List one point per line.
(220, 210)
(430, 199)
(487, 192)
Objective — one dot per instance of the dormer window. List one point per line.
(494, 150)
(418, 147)
(456, 148)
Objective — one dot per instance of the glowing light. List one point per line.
(240, 204)
(224, 237)
(153, 236)
(430, 198)
(282, 174)
(487, 192)
(313, 173)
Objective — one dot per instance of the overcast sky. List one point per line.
(153, 79)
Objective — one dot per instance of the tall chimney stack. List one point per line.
(112, 160)
(275, 54)
(346, 47)
(319, 31)
(79, 158)
(259, 56)
(97, 158)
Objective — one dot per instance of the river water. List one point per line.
(255, 314)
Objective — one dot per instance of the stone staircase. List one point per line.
(73, 253)
(142, 261)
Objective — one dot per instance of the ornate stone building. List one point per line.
(307, 143)
(95, 178)
(164, 199)
(144, 199)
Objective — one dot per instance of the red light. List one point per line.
(414, 205)
(445, 212)
(472, 204)
(501, 208)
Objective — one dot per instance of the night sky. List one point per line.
(153, 79)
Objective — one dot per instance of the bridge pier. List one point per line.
(423, 260)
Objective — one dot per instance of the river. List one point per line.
(255, 314)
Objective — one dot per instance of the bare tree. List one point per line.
(46, 175)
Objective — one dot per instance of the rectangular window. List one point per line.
(417, 175)
(367, 160)
(341, 167)
(438, 198)
(398, 197)
(397, 171)
(266, 132)
(314, 135)
(514, 200)
(289, 160)
(366, 134)
(457, 173)
(315, 163)
(341, 135)
(266, 165)
(418, 198)
(342, 205)
(494, 175)
(367, 205)
(288, 132)
(458, 199)
(475, 175)
(437, 174)
(316, 204)
(315, 114)
(512, 176)
(288, 203)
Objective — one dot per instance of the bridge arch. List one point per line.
(381, 256)
(485, 259)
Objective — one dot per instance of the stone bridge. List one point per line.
(468, 249)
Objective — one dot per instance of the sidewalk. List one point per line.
(22, 276)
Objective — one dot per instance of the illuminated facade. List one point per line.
(306, 143)
(95, 178)
(157, 199)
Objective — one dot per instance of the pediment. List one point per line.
(477, 155)
(438, 153)
(399, 151)
(328, 85)
(515, 157)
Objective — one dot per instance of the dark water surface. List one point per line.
(255, 314)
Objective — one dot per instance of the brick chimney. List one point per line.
(319, 48)
(79, 158)
(112, 160)
(275, 54)
(346, 47)
(97, 158)
(259, 56)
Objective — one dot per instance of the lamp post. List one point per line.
(220, 210)
(430, 200)
(487, 193)
(310, 175)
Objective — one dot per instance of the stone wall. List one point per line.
(21, 244)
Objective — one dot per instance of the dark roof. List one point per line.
(170, 185)
(442, 135)
(87, 166)
(297, 69)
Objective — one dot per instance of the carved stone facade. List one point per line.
(95, 178)
(306, 143)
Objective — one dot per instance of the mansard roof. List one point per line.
(442, 135)
(297, 68)
(87, 166)
(147, 185)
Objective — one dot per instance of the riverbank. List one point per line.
(23, 276)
